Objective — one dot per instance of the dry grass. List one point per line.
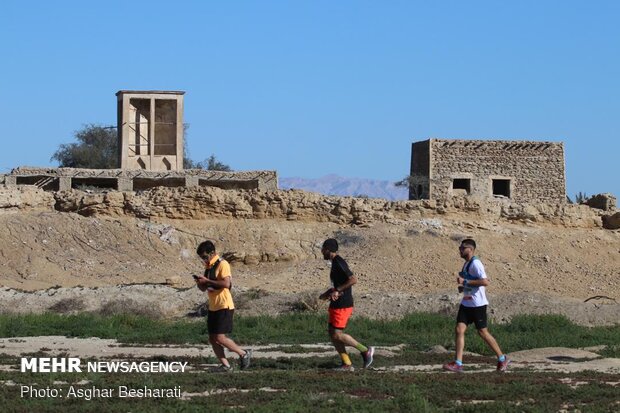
(307, 302)
(68, 306)
(129, 306)
(243, 299)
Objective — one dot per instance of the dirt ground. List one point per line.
(169, 302)
(65, 262)
(552, 359)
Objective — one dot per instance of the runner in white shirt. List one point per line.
(474, 296)
(472, 281)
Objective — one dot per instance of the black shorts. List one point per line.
(476, 315)
(220, 321)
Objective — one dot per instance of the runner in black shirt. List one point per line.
(339, 276)
(341, 306)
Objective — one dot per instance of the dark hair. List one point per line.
(470, 242)
(206, 246)
(331, 244)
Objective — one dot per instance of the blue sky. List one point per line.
(315, 87)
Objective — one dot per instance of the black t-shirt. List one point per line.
(340, 274)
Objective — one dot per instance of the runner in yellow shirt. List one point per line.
(217, 282)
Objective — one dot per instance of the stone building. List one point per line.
(523, 171)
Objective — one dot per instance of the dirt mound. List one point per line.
(406, 248)
(44, 249)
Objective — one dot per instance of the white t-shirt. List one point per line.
(474, 296)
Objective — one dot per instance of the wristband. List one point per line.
(464, 283)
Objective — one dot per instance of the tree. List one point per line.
(210, 164)
(416, 191)
(215, 165)
(405, 182)
(96, 148)
(581, 198)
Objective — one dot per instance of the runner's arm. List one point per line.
(477, 270)
(481, 282)
(203, 282)
(337, 292)
(220, 282)
(350, 283)
(326, 294)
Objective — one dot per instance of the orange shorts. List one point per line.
(338, 317)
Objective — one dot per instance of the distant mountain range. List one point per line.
(338, 185)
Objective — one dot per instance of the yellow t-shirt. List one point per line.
(220, 299)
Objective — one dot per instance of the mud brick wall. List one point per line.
(419, 176)
(535, 170)
(135, 179)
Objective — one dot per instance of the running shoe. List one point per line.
(222, 369)
(502, 366)
(244, 361)
(453, 367)
(367, 356)
(345, 367)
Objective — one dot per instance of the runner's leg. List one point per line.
(218, 349)
(459, 341)
(490, 340)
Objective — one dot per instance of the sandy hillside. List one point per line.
(45, 249)
(273, 240)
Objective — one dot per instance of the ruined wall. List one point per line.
(55, 179)
(521, 170)
(419, 176)
(292, 205)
